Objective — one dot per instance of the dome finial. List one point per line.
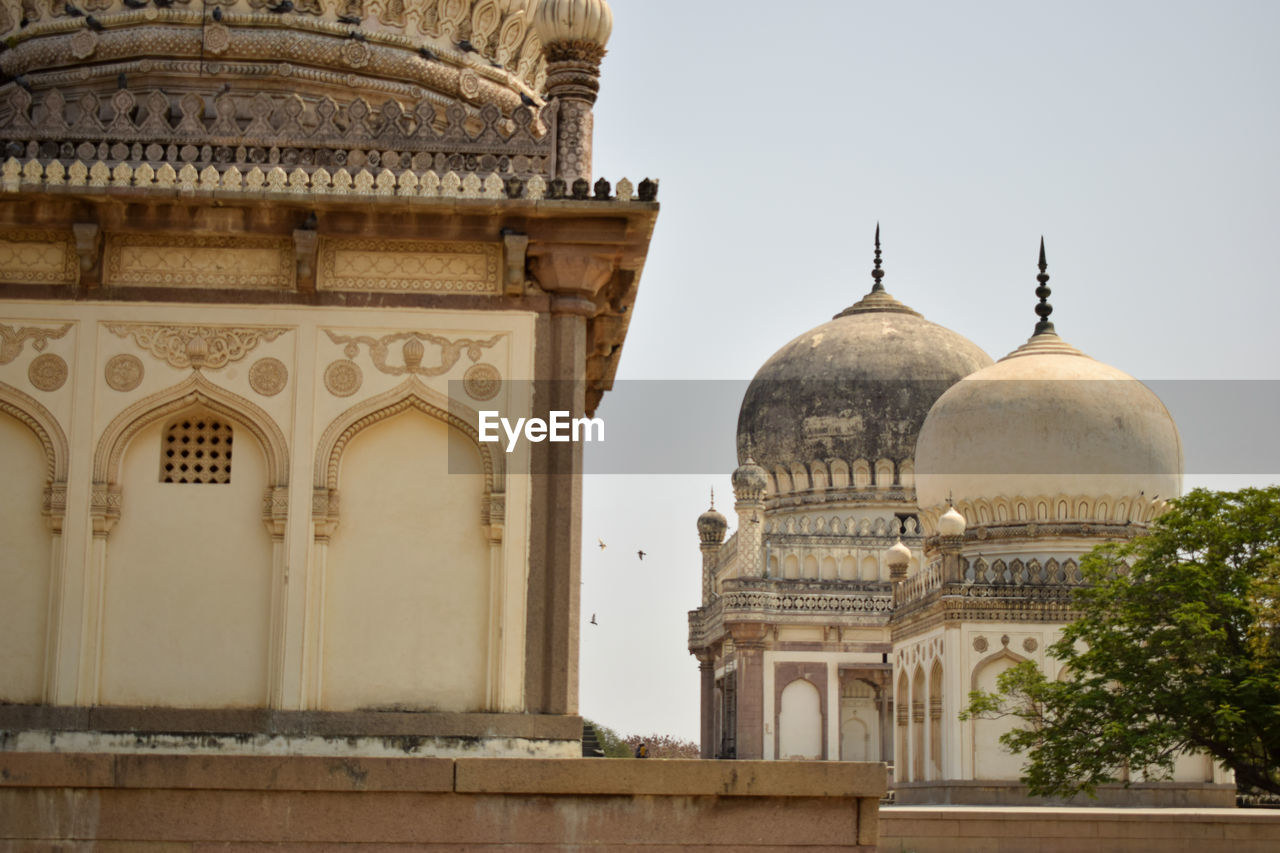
(713, 497)
(877, 273)
(1044, 309)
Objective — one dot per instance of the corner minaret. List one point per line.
(574, 34)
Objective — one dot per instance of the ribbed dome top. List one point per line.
(857, 387)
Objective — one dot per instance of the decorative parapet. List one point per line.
(52, 175)
(764, 599)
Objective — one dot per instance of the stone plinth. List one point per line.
(197, 803)
(1044, 829)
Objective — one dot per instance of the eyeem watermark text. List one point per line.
(560, 427)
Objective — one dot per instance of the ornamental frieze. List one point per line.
(198, 347)
(38, 257)
(149, 260)
(408, 266)
(412, 351)
(14, 340)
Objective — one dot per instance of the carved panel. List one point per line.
(211, 347)
(406, 266)
(146, 260)
(38, 257)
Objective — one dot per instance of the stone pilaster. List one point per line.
(555, 559)
(748, 642)
(707, 673)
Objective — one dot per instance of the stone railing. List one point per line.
(759, 599)
(980, 578)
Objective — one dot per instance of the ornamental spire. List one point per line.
(1044, 309)
(877, 273)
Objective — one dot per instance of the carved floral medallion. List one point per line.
(413, 351)
(12, 341)
(482, 381)
(47, 372)
(268, 376)
(343, 378)
(123, 372)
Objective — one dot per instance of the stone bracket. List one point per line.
(89, 248)
(515, 249)
(306, 245)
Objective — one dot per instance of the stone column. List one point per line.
(707, 671)
(572, 275)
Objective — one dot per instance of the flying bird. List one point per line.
(593, 619)
(602, 545)
(641, 554)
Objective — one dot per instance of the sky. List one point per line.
(1139, 138)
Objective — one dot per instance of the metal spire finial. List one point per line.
(1044, 309)
(713, 497)
(877, 273)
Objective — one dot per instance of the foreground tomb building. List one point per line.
(259, 271)
(910, 520)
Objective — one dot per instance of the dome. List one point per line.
(712, 525)
(449, 85)
(749, 481)
(588, 21)
(1050, 429)
(855, 388)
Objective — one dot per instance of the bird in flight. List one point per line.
(641, 553)
(593, 619)
(602, 545)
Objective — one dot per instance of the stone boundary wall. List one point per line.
(172, 803)
(1070, 829)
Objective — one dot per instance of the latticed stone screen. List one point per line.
(196, 449)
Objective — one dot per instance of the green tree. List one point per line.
(1178, 650)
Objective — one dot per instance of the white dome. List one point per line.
(1054, 430)
(574, 20)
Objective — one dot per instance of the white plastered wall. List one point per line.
(82, 603)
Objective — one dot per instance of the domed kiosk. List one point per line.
(1022, 467)
(826, 437)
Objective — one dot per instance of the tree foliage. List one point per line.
(660, 746)
(1178, 650)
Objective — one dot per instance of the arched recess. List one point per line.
(186, 599)
(935, 720)
(918, 698)
(33, 469)
(991, 759)
(902, 712)
(426, 503)
(800, 722)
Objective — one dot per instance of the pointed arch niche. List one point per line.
(991, 759)
(33, 470)
(406, 608)
(185, 584)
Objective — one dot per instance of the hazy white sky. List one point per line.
(1140, 138)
